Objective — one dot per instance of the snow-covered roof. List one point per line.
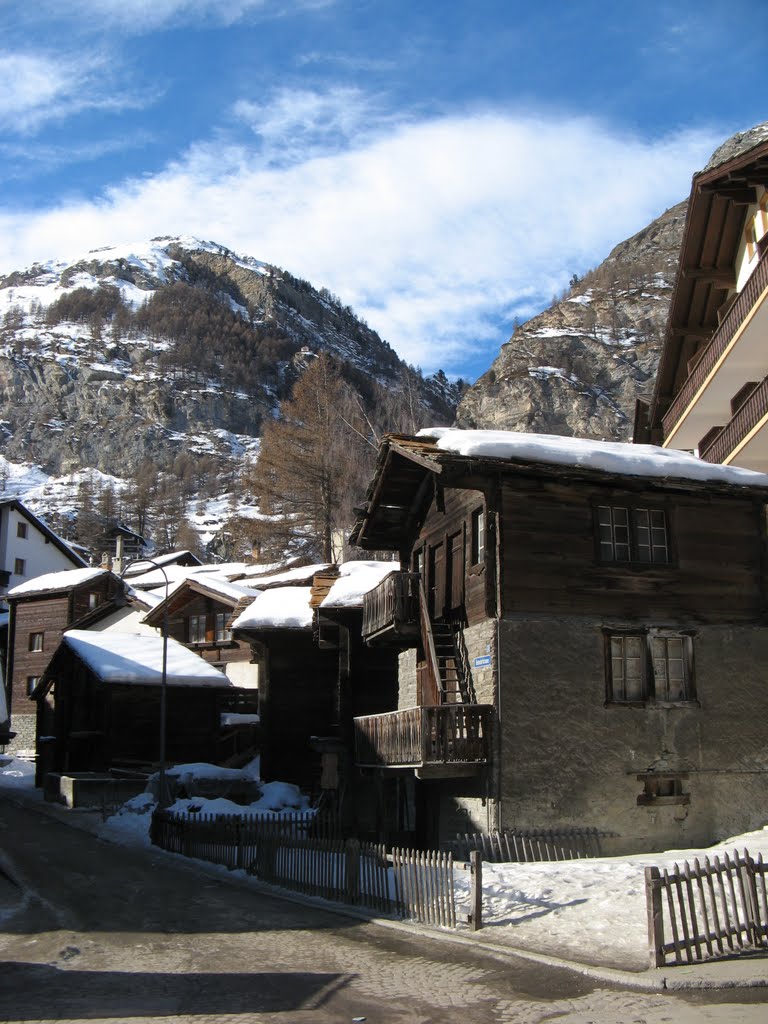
(355, 580)
(279, 608)
(136, 658)
(300, 575)
(643, 460)
(53, 581)
(139, 566)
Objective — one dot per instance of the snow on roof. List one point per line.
(169, 558)
(136, 658)
(355, 580)
(279, 608)
(52, 581)
(304, 572)
(644, 460)
(223, 587)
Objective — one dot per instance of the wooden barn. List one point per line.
(587, 639)
(99, 701)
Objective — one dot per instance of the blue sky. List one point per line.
(443, 167)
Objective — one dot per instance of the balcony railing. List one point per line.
(447, 734)
(719, 342)
(745, 419)
(392, 608)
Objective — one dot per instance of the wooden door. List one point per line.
(454, 584)
(436, 592)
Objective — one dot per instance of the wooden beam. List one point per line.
(741, 194)
(724, 277)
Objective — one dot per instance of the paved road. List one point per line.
(96, 932)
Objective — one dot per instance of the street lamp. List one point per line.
(163, 796)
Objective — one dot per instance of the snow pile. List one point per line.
(52, 581)
(644, 460)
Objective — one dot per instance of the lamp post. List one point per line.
(163, 796)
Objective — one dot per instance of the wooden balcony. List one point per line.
(391, 610)
(744, 439)
(444, 741)
(734, 354)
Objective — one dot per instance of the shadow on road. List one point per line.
(34, 992)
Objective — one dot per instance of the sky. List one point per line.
(442, 167)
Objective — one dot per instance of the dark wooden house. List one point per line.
(98, 705)
(585, 639)
(315, 673)
(40, 611)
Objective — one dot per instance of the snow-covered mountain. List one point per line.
(171, 354)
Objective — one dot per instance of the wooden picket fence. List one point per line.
(710, 909)
(424, 889)
(517, 845)
(306, 854)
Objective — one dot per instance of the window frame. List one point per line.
(36, 642)
(32, 682)
(654, 682)
(220, 632)
(19, 567)
(193, 631)
(478, 534)
(21, 530)
(638, 527)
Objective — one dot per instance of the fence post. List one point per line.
(655, 917)
(352, 859)
(476, 874)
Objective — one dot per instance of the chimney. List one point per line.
(117, 565)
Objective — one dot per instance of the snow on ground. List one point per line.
(590, 910)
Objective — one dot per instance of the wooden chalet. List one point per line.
(40, 611)
(98, 705)
(583, 635)
(711, 393)
(198, 613)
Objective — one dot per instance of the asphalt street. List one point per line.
(93, 931)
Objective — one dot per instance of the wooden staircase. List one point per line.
(452, 681)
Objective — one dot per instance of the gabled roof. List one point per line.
(60, 582)
(49, 535)
(134, 658)
(278, 608)
(409, 468)
(210, 585)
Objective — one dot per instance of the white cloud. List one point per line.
(140, 16)
(434, 231)
(36, 88)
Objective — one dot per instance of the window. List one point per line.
(94, 600)
(36, 641)
(32, 682)
(478, 536)
(196, 629)
(19, 566)
(632, 534)
(21, 531)
(222, 633)
(650, 667)
(662, 789)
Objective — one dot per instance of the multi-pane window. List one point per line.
(632, 534)
(196, 629)
(36, 641)
(478, 536)
(222, 633)
(653, 666)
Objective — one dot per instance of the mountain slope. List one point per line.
(578, 368)
(174, 347)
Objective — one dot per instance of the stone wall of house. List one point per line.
(24, 740)
(567, 757)
(480, 642)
